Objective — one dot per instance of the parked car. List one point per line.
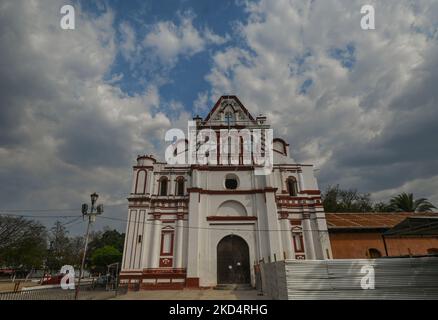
(52, 279)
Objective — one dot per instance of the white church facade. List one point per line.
(203, 225)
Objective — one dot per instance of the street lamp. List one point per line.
(94, 198)
(91, 218)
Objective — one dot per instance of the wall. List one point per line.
(273, 280)
(375, 279)
(355, 245)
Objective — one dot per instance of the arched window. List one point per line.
(140, 183)
(163, 186)
(292, 186)
(374, 253)
(179, 186)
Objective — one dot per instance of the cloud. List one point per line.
(128, 44)
(65, 131)
(359, 104)
(169, 41)
(201, 102)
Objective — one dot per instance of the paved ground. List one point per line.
(9, 286)
(189, 294)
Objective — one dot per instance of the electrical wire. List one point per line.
(36, 216)
(209, 228)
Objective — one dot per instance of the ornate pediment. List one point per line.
(229, 111)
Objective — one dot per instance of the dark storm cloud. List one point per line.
(64, 131)
(89, 140)
(406, 149)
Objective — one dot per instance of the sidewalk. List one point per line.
(190, 294)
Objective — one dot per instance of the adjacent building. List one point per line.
(382, 234)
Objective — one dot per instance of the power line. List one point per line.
(36, 216)
(54, 210)
(209, 228)
(72, 221)
(36, 210)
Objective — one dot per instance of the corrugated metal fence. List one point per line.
(394, 278)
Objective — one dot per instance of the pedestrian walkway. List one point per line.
(190, 294)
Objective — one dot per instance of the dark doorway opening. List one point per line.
(233, 261)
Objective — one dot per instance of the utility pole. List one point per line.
(91, 218)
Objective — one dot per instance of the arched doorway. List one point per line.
(233, 261)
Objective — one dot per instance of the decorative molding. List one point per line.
(166, 262)
(164, 232)
(230, 218)
(318, 192)
(203, 191)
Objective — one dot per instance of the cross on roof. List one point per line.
(228, 118)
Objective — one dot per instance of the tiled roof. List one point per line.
(370, 219)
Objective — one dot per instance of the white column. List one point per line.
(146, 240)
(301, 181)
(282, 182)
(179, 243)
(308, 237)
(275, 243)
(193, 237)
(156, 242)
(287, 239)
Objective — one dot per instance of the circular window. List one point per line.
(231, 181)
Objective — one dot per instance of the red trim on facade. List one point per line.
(311, 192)
(166, 262)
(163, 286)
(225, 218)
(192, 282)
(203, 191)
(223, 168)
(167, 199)
(218, 102)
(173, 271)
(172, 236)
(294, 234)
(295, 222)
(169, 274)
(287, 197)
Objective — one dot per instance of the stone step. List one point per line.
(236, 287)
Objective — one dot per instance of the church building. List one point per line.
(203, 225)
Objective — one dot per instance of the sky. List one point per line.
(78, 106)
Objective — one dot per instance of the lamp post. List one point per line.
(91, 218)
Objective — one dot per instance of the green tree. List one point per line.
(405, 202)
(382, 207)
(22, 243)
(76, 248)
(104, 256)
(61, 249)
(346, 200)
(107, 238)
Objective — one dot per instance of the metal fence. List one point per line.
(86, 292)
(399, 278)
